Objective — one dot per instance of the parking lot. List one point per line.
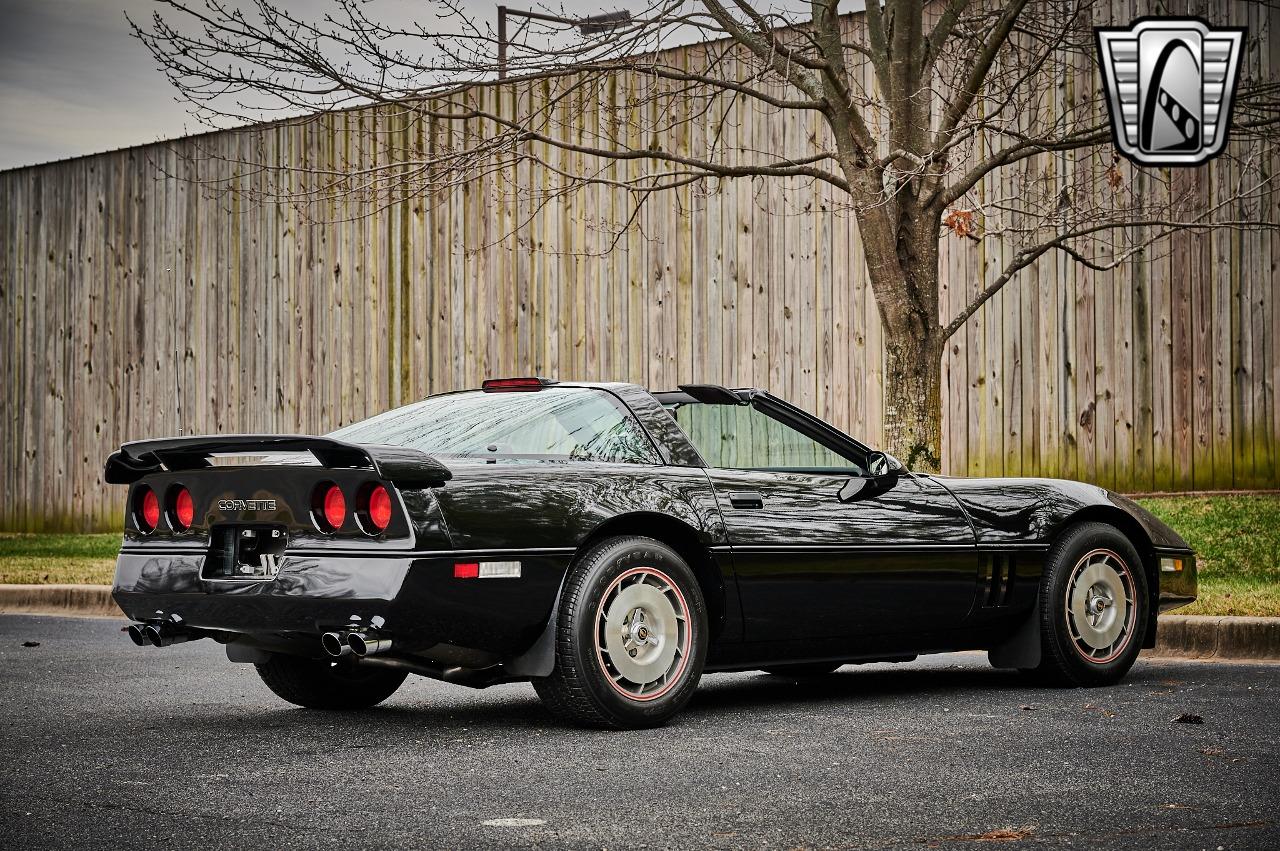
(105, 744)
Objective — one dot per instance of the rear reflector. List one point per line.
(486, 570)
(499, 570)
(516, 385)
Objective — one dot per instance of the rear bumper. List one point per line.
(416, 596)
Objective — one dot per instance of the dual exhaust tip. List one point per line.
(161, 634)
(361, 644)
(165, 633)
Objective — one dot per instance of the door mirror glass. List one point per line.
(878, 465)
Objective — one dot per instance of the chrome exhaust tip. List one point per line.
(137, 634)
(167, 633)
(367, 645)
(333, 644)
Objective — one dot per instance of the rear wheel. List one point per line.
(326, 684)
(1093, 607)
(631, 637)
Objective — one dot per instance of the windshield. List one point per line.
(558, 423)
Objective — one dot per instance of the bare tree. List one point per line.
(920, 104)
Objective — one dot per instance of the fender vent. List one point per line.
(997, 580)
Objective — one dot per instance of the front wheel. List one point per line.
(328, 684)
(631, 637)
(1093, 607)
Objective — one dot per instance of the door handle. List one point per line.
(746, 499)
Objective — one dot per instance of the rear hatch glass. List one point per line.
(556, 423)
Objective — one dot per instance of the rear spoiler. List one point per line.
(401, 465)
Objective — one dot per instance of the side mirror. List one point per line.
(878, 465)
(881, 474)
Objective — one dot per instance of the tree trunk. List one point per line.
(913, 397)
(902, 264)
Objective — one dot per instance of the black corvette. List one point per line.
(611, 545)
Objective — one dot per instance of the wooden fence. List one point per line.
(137, 304)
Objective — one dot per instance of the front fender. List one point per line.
(1033, 512)
(1026, 511)
(1161, 536)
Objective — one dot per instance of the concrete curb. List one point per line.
(1183, 636)
(92, 600)
(1206, 637)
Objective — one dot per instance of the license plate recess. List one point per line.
(245, 552)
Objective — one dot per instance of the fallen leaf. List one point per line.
(31, 644)
(1188, 718)
(1000, 834)
(1005, 834)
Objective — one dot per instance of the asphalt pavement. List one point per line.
(105, 744)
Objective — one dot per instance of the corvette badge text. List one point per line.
(246, 505)
(1170, 83)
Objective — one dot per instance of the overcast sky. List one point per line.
(74, 81)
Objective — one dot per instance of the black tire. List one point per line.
(806, 671)
(325, 684)
(581, 688)
(1066, 658)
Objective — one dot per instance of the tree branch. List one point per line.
(943, 196)
(963, 99)
(1030, 254)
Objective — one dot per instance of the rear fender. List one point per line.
(539, 659)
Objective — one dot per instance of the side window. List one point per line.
(740, 437)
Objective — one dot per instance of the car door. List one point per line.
(821, 550)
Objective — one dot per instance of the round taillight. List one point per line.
(378, 508)
(333, 507)
(148, 511)
(184, 510)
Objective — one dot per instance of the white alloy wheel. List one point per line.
(643, 633)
